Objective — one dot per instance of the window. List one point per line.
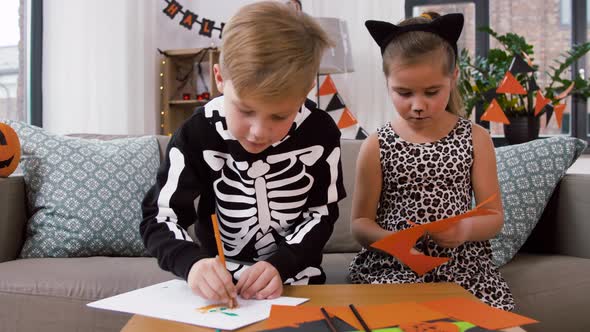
(565, 13)
(10, 107)
(531, 20)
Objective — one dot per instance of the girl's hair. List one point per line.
(413, 46)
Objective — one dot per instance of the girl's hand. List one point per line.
(455, 235)
(260, 281)
(209, 279)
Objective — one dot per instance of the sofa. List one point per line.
(549, 277)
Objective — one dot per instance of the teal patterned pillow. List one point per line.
(528, 173)
(84, 195)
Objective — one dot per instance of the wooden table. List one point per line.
(325, 295)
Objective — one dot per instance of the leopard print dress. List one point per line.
(424, 183)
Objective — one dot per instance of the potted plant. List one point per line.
(505, 82)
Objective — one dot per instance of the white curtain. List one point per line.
(364, 90)
(99, 66)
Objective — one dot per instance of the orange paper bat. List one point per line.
(400, 244)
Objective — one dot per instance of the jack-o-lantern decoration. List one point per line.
(9, 150)
(430, 327)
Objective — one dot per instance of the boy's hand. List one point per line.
(211, 280)
(454, 236)
(260, 281)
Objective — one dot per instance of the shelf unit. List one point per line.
(179, 75)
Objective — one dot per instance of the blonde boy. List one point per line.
(262, 157)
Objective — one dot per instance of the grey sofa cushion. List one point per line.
(342, 239)
(50, 294)
(86, 279)
(551, 288)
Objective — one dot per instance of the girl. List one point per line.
(424, 165)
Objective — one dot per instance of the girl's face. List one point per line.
(420, 91)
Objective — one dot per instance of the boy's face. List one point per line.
(257, 123)
(420, 91)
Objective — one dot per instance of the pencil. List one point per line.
(328, 320)
(232, 301)
(360, 319)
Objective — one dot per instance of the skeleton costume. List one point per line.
(279, 205)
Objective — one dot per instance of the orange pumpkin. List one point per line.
(9, 150)
(430, 327)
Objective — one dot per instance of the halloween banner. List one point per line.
(204, 26)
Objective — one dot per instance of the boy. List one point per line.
(261, 157)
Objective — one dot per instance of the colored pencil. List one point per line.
(360, 319)
(232, 302)
(328, 320)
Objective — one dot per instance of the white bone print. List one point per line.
(257, 189)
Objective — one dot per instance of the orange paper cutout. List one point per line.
(566, 92)
(291, 316)
(383, 315)
(558, 109)
(328, 87)
(400, 244)
(376, 316)
(478, 313)
(346, 119)
(429, 327)
(540, 102)
(494, 113)
(510, 85)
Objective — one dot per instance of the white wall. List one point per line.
(101, 65)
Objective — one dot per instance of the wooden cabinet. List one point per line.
(186, 75)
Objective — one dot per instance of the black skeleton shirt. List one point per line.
(279, 205)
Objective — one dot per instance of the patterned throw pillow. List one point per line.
(84, 196)
(528, 173)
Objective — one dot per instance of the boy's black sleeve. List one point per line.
(168, 209)
(302, 248)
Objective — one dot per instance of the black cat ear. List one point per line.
(382, 32)
(449, 27)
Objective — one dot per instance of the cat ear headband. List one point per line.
(448, 27)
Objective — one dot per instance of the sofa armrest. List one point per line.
(12, 216)
(564, 227)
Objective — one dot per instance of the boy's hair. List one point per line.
(413, 46)
(269, 50)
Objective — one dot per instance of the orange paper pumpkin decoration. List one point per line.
(430, 327)
(9, 150)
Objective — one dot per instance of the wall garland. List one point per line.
(207, 26)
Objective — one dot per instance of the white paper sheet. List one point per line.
(173, 300)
